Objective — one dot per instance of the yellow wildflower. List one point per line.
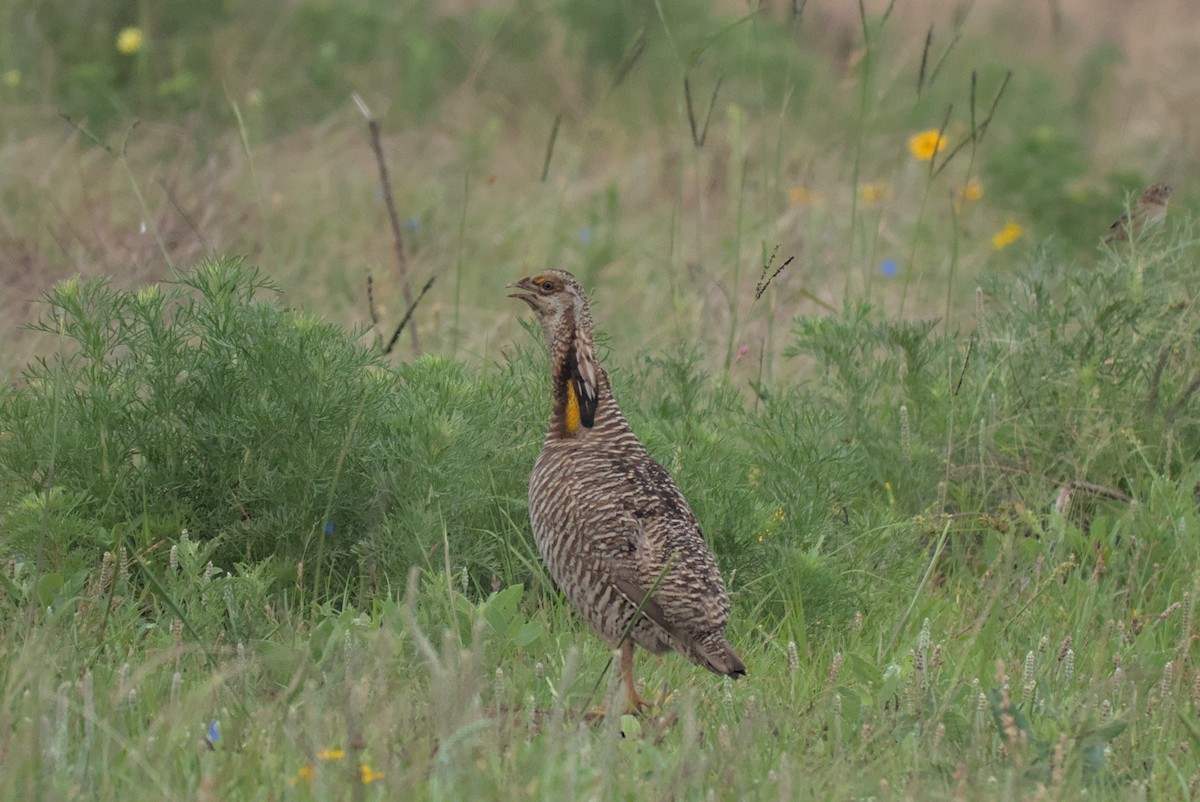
(1006, 236)
(129, 41)
(874, 192)
(12, 78)
(972, 190)
(769, 529)
(801, 196)
(330, 754)
(305, 773)
(925, 144)
(369, 775)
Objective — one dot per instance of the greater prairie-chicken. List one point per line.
(614, 530)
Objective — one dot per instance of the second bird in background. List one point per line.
(1150, 208)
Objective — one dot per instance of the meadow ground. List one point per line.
(846, 265)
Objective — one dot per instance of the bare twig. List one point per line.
(401, 258)
(186, 218)
(550, 147)
(408, 315)
(975, 135)
(122, 158)
(371, 309)
(701, 134)
(95, 140)
(933, 74)
(924, 60)
(941, 137)
(1156, 380)
(763, 280)
(966, 361)
(995, 102)
(635, 55)
(974, 89)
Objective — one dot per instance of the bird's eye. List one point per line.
(548, 285)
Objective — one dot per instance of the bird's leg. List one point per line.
(634, 703)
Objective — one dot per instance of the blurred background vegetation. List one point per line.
(234, 122)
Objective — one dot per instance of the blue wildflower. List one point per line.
(889, 267)
(329, 528)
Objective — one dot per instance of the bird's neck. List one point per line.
(568, 418)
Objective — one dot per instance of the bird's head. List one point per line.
(555, 297)
(1157, 193)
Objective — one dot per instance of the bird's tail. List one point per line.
(718, 656)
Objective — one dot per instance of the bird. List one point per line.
(1151, 206)
(616, 534)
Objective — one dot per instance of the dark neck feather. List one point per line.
(562, 355)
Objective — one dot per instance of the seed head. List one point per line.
(1064, 648)
(1068, 664)
(923, 637)
(1027, 680)
(108, 567)
(834, 669)
(1166, 682)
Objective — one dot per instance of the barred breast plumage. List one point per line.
(613, 528)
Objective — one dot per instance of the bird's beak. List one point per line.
(524, 284)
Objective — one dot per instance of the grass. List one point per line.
(951, 485)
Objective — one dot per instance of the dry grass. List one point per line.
(686, 249)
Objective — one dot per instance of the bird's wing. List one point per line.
(652, 610)
(668, 552)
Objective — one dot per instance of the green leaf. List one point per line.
(47, 587)
(501, 608)
(529, 634)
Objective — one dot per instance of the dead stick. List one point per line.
(401, 258)
(550, 148)
(408, 315)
